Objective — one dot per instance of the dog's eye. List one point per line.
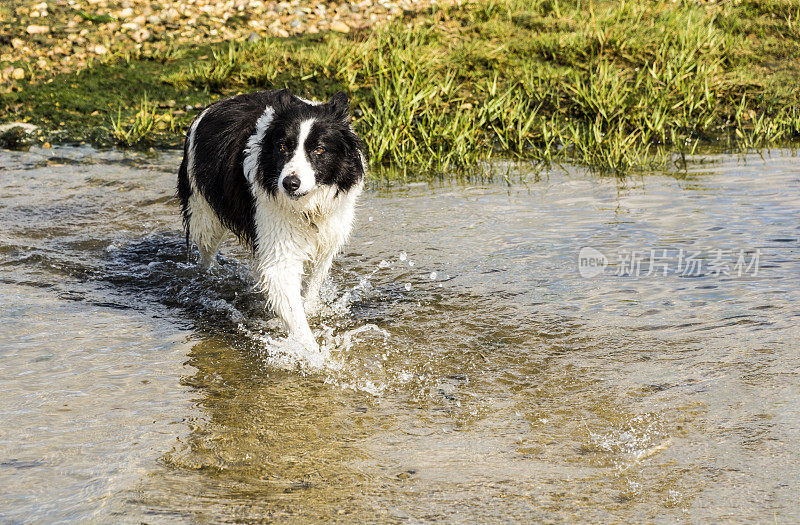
(282, 148)
(319, 151)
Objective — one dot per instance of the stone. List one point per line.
(18, 73)
(17, 135)
(142, 35)
(37, 30)
(67, 40)
(27, 127)
(340, 27)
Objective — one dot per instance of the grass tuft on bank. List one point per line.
(617, 86)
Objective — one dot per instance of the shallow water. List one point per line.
(474, 373)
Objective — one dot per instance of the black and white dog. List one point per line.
(283, 174)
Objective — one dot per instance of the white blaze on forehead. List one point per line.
(299, 164)
(310, 102)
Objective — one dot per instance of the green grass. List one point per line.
(144, 124)
(617, 86)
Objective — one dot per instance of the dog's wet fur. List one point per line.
(283, 174)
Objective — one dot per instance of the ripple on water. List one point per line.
(468, 372)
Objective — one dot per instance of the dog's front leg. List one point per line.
(282, 282)
(319, 270)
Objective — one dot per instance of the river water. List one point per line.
(482, 366)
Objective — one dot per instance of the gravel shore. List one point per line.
(38, 39)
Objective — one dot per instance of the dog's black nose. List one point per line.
(291, 183)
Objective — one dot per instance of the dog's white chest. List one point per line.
(303, 231)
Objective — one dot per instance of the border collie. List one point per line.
(283, 174)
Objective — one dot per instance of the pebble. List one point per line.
(18, 73)
(66, 41)
(37, 30)
(142, 35)
(340, 27)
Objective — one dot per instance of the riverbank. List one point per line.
(435, 88)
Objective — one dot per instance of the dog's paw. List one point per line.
(307, 340)
(303, 353)
(314, 356)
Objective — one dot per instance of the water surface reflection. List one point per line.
(474, 373)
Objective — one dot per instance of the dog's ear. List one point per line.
(283, 98)
(340, 105)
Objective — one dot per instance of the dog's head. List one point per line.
(309, 146)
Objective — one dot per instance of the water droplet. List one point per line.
(403, 256)
(432, 276)
(408, 287)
